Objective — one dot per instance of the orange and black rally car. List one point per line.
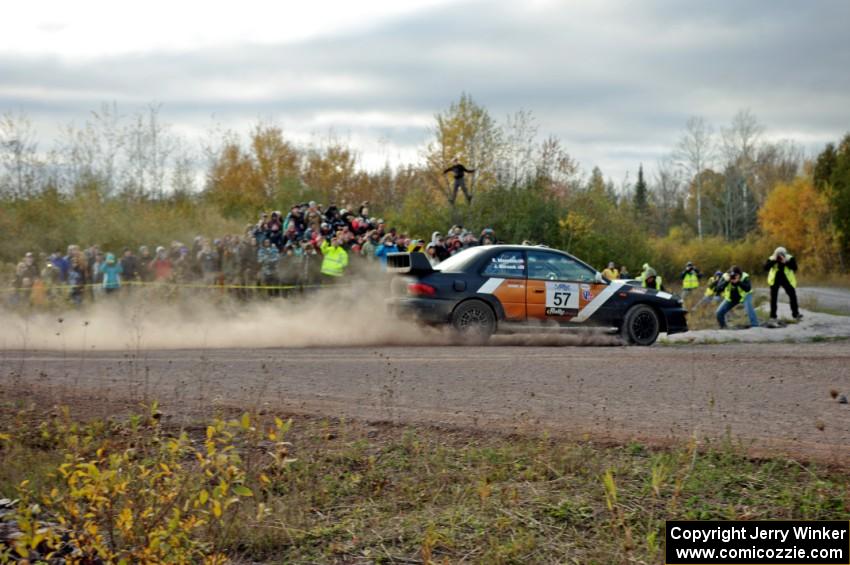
(509, 287)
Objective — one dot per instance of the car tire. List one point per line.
(474, 321)
(641, 325)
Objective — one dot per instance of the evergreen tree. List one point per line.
(831, 174)
(596, 184)
(824, 166)
(839, 194)
(640, 197)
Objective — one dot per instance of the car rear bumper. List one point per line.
(423, 309)
(675, 320)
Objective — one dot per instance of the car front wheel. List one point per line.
(641, 325)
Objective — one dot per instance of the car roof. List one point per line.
(481, 249)
(509, 247)
(522, 247)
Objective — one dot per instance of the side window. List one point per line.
(506, 264)
(546, 266)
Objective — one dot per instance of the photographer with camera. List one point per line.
(736, 288)
(781, 270)
(387, 246)
(711, 293)
(690, 279)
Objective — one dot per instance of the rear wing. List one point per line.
(408, 263)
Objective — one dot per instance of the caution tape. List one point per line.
(163, 284)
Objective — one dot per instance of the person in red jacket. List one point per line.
(161, 266)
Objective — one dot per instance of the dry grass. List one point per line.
(395, 494)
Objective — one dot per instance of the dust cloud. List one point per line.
(346, 316)
(352, 316)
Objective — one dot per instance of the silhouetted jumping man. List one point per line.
(458, 170)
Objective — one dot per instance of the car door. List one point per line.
(504, 277)
(558, 286)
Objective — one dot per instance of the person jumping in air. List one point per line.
(458, 170)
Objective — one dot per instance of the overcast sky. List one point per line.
(616, 81)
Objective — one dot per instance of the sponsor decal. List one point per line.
(559, 312)
(586, 294)
(638, 290)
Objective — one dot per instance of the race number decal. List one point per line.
(561, 298)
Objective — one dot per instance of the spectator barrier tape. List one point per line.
(161, 284)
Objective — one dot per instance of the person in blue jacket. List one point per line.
(387, 246)
(112, 271)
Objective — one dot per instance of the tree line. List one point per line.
(720, 195)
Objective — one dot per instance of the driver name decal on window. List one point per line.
(510, 263)
(561, 298)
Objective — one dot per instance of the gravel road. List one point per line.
(831, 298)
(771, 397)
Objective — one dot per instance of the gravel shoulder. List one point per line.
(814, 326)
(830, 298)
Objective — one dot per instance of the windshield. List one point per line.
(456, 263)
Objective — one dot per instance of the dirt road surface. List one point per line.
(772, 398)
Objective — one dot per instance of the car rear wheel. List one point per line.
(641, 325)
(474, 321)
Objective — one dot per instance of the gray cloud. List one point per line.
(615, 81)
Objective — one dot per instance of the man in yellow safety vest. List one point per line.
(781, 270)
(736, 288)
(611, 273)
(335, 260)
(690, 279)
(711, 293)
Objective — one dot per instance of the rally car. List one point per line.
(486, 289)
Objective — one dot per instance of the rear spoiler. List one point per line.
(408, 263)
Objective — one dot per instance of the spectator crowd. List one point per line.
(306, 247)
(311, 246)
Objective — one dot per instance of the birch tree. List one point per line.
(694, 153)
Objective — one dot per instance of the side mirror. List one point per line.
(599, 278)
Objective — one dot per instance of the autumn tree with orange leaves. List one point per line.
(796, 216)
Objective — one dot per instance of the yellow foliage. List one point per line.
(671, 253)
(797, 216)
(610, 489)
(577, 223)
(149, 502)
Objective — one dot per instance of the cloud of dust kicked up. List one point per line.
(340, 317)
